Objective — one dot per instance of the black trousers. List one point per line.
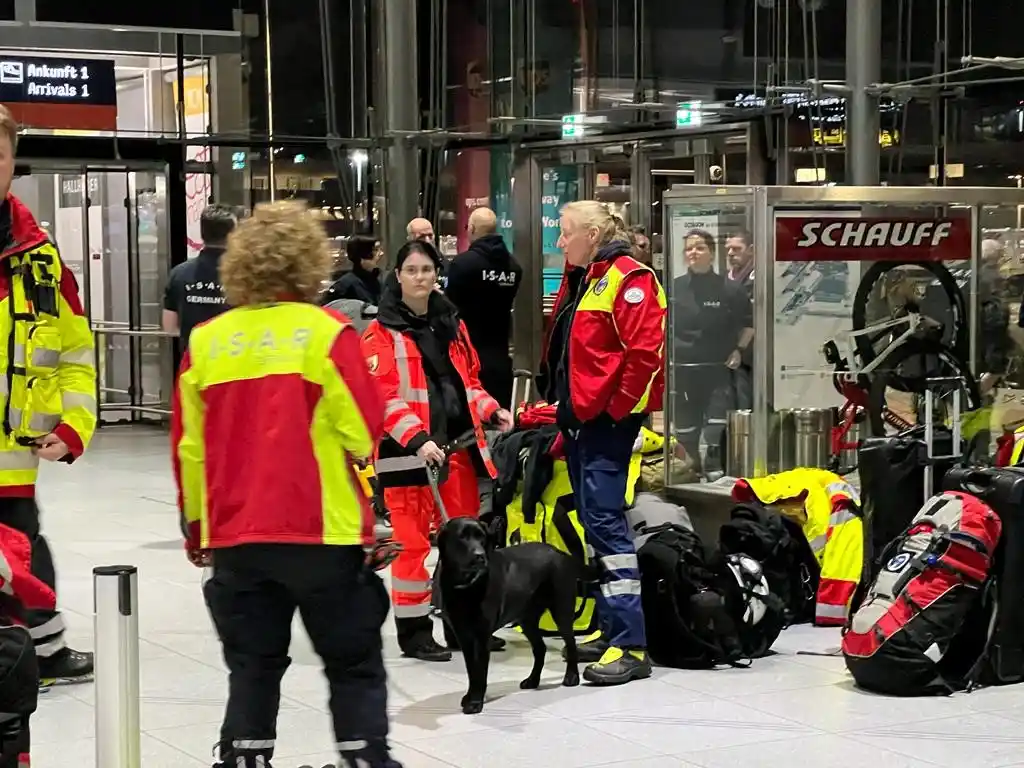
(252, 596)
(704, 396)
(46, 627)
(19, 691)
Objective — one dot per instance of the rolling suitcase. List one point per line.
(1002, 489)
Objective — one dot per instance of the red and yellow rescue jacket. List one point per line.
(616, 337)
(829, 510)
(273, 405)
(47, 356)
(394, 359)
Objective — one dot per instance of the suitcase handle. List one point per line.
(977, 483)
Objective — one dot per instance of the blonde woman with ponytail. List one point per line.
(604, 360)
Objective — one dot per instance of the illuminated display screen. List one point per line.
(56, 92)
(215, 15)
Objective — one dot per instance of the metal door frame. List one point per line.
(85, 168)
(764, 202)
(529, 159)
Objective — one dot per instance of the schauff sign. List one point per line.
(802, 237)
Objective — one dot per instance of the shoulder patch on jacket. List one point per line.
(633, 295)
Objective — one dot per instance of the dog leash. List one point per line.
(434, 471)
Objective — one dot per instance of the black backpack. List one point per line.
(786, 558)
(685, 616)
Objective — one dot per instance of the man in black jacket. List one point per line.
(362, 282)
(193, 294)
(482, 283)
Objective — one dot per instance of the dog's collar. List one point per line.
(471, 582)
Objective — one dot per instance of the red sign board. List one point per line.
(847, 238)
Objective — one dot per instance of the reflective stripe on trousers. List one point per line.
(598, 460)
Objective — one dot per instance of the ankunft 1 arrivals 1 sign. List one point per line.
(60, 93)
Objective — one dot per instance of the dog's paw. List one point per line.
(530, 683)
(471, 706)
(571, 679)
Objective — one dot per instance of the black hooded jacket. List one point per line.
(359, 284)
(482, 283)
(432, 334)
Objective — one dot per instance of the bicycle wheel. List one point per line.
(952, 316)
(905, 373)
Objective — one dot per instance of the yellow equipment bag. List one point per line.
(556, 522)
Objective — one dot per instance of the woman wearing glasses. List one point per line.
(428, 370)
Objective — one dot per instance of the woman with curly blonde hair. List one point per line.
(273, 404)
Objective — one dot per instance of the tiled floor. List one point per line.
(116, 505)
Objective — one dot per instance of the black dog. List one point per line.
(484, 588)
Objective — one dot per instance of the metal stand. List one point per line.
(929, 432)
(116, 626)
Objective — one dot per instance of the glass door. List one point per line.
(560, 184)
(127, 266)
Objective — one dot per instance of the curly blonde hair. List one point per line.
(594, 214)
(278, 253)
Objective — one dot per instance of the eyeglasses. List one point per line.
(417, 271)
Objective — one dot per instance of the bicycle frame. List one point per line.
(912, 321)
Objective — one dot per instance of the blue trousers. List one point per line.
(598, 458)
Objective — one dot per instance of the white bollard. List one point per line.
(116, 627)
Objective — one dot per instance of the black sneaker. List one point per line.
(427, 649)
(591, 648)
(618, 666)
(65, 667)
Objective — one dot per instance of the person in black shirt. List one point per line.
(362, 282)
(712, 329)
(482, 283)
(193, 294)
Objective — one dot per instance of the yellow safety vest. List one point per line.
(833, 527)
(48, 364)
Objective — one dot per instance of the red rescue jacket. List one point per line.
(19, 589)
(616, 337)
(396, 362)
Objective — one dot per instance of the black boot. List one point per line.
(372, 755)
(244, 758)
(416, 639)
(65, 667)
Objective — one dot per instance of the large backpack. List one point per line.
(922, 627)
(685, 617)
(778, 544)
(555, 521)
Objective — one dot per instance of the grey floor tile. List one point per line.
(117, 505)
(567, 744)
(978, 740)
(825, 751)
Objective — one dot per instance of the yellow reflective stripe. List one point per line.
(41, 357)
(38, 422)
(841, 516)
(81, 356)
(71, 400)
(18, 459)
(1018, 449)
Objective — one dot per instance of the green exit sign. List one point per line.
(573, 126)
(688, 115)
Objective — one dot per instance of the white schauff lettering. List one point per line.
(877, 234)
